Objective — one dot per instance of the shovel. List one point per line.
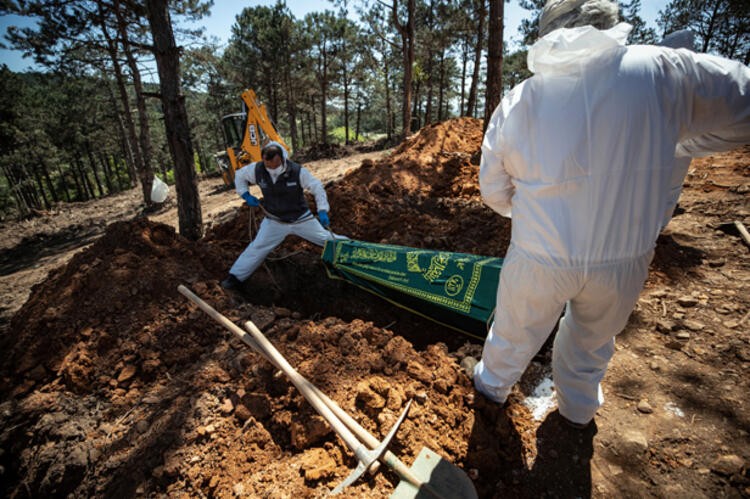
(430, 475)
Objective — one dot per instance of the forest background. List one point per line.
(93, 117)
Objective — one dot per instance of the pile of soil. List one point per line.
(425, 195)
(113, 384)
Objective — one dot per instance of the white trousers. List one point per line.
(597, 301)
(272, 233)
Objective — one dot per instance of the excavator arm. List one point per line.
(256, 131)
(257, 120)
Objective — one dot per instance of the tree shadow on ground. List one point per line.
(33, 249)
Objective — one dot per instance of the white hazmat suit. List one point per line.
(272, 232)
(582, 155)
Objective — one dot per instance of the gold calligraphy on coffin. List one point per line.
(368, 254)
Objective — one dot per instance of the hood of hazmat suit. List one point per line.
(582, 153)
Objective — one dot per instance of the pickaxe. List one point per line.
(431, 474)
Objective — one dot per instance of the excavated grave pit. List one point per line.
(300, 283)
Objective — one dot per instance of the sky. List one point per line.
(224, 12)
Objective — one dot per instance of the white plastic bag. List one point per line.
(159, 190)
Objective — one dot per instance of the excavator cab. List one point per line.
(244, 135)
(233, 126)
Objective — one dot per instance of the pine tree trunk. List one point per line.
(415, 98)
(146, 172)
(359, 116)
(441, 86)
(124, 146)
(40, 186)
(92, 162)
(15, 188)
(388, 108)
(494, 61)
(175, 120)
(407, 32)
(133, 149)
(48, 179)
(428, 98)
(107, 174)
(324, 99)
(314, 122)
(80, 188)
(291, 109)
(85, 182)
(118, 164)
(66, 194)
(28, 189)
(471, 104)
(346, 107)
(464, 63)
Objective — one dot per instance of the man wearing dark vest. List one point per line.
(283, 183)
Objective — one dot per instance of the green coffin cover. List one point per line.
(455, 289)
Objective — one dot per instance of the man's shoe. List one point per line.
(231, 283)
(577, 426)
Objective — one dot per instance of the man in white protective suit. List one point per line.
(283, 183)
(582, 154)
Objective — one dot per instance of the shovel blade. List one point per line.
(438, 475)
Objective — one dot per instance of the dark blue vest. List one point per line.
(285, 199)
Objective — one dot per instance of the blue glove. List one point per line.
(323, 216)
(250, 199)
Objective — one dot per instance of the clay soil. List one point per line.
(113, 385)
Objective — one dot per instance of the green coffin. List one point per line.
(454, 289)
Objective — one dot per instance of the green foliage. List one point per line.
(54, 129)
(720, 26)
(6, 200)
(338, 135)
(515, 69)
(529, 28)
(629, 13)
(168, 178)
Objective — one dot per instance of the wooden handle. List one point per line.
(311, 391)
(304, 387)
(265, 348)
(743, 231)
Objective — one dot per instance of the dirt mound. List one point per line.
(424, 195)
(98, 302)
(114, 385)
(457, 135)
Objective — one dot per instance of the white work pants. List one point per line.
(597, 300)
(272, 233)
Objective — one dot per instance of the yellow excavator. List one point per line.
(245, 134)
